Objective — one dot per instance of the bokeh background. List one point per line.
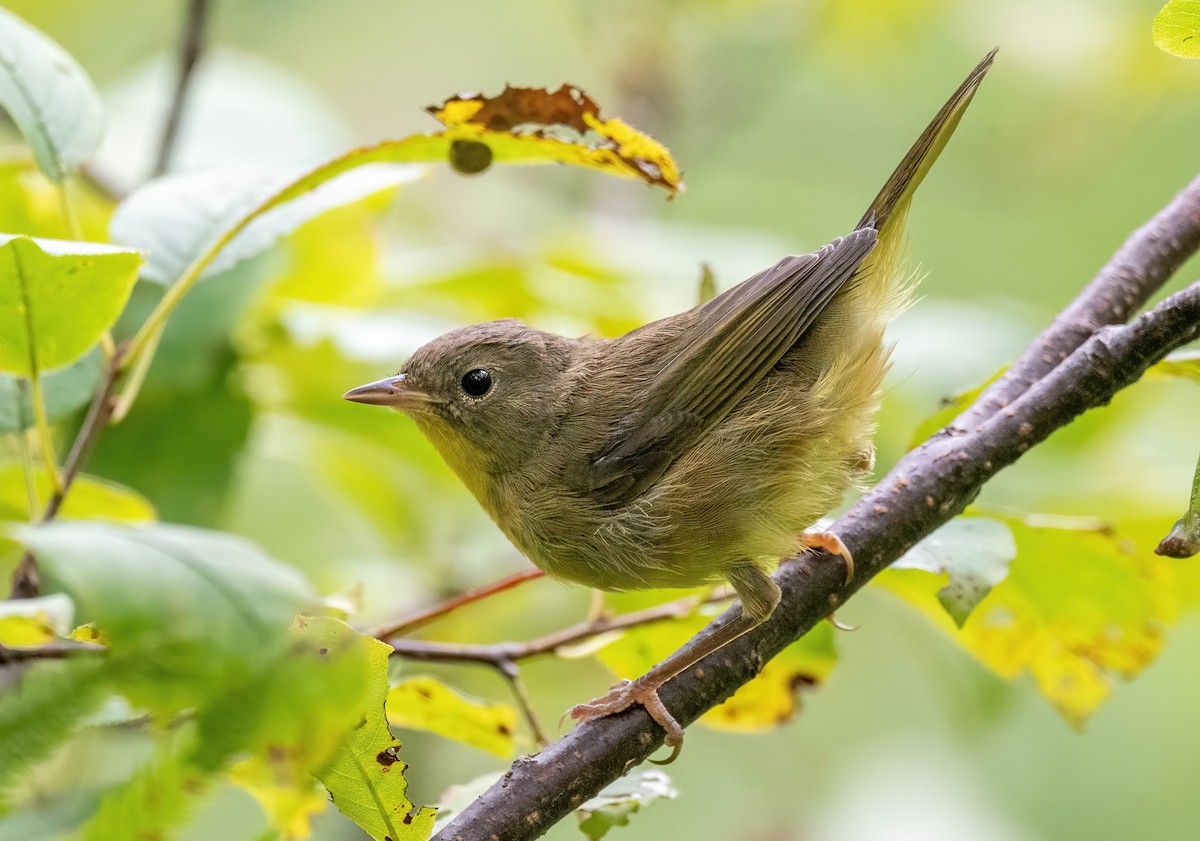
(786, 117)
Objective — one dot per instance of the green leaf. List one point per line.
(64, 391)
(622, 799)
(1181, 363)
(425, 703)
(1177, 28)
(90, 498)
(973, 552)
(41, 709)
(950, 408)
(365, 776)
(57, 298)
(187, 612)
(176, 218)
(49, 97)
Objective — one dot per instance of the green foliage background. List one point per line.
(786, 117)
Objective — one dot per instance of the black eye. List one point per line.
(477, 382)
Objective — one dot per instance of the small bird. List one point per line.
(695, 449)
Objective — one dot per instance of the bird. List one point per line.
(700, 448)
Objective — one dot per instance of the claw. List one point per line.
(623, 695)
(832, 544)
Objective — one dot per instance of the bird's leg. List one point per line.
(832, 544)
(759, 594)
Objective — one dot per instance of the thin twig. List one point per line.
(927, 488)
(1138, 269)
(424, 617)
(512, 673)
(498, 653)
(189, 56)
(25, 579)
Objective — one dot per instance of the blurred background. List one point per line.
(786, 118)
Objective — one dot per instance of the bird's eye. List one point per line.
(477, 382)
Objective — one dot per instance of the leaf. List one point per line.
(290, 804)
(1079, 608)
(176, 218)
(767, 700)
(950, 408)
(425, 703)
(187, 612)
(90, 498)
(57, 298)
(622, 799)
(1177, 28)
(1181, 363)
(519, 125)
(49, 97)
(41, 709)
(64, 392)
(26, 623)
(771, 698)
(973, 552)
(365, 777)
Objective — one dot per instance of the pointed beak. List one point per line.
(392, 392)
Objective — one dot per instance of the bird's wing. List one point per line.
(726, 350)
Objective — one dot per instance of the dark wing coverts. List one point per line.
(731, 344)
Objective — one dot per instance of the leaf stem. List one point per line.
(429, 614)
(70, 218)
(26, 455)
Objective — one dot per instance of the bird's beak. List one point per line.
(392, 392)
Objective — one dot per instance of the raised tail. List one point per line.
(892, 202)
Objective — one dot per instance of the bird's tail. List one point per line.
(888, 209)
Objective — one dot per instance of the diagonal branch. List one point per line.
(1140, 267)
(931, 485)
(189, 57)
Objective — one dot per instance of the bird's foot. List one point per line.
(832, 544)
(623, 695)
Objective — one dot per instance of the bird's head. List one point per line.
(483, 394)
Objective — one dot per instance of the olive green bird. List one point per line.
(695, 449)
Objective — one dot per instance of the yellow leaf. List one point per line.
(1079, 608)
(767, 700)
(771, 698)
(425, 703)
(290, 803)
(525, 125)
(1177, 28)
(28, 623)
(90, 498)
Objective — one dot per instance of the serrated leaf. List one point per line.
(57, 298)
(1079, 609)
(176, 218)
(187, 612)
(1176, 28)
(425, 703)
(49, 97)
(622, 799)
(90, 498)
(365, 776)
(64, 392)
(974, 553)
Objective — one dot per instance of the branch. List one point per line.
(423, 617)
(931, 485)
(1139, 269)
(189, 56)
